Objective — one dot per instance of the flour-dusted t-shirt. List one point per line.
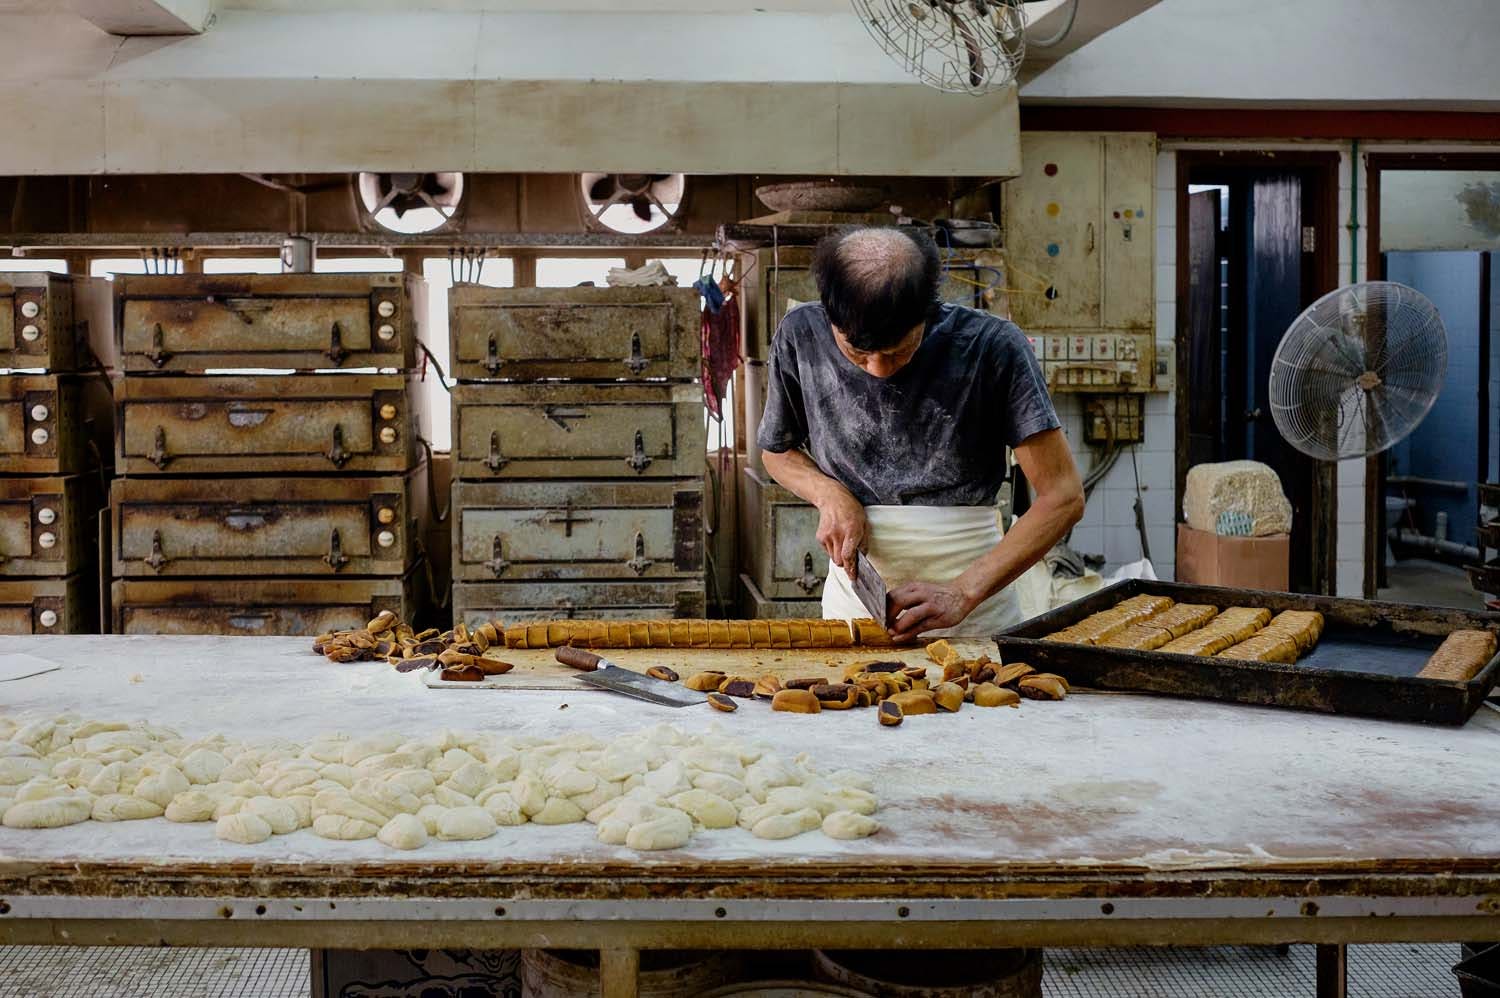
(934, 434)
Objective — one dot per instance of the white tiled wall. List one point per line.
(1349, 578)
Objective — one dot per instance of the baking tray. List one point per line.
(1364, 665)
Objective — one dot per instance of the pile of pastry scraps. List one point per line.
(893, 687)
(1156, 623)
(654, 789)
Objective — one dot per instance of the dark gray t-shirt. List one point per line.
(934, 434)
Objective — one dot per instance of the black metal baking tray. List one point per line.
(1365, 664)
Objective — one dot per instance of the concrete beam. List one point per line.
(145, 17)
(1093, 19)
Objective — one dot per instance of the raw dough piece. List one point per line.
(849, 825)
(1460, 657)
(466, 824)
(604, 791)
(160, 788)
(357, 750)
(243, 827)
(504, 809)
(431, 815)
(203, 765)
(279, 814)
(120, 807)
(337, 826)
(724, 786)
(670, 829)
(470, 778)
(18, 769)
(558, 811)
(784, 826)
(707, 809)
(192, 805)
(227, 805)
(404, 831)
(789, 799)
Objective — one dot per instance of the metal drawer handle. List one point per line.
(158, 354)
(244, 519)
(640, 562)
(156, 559)
(336, 453)
(492, 360)
(809, 580)
(335, 558)
(636, 362)
(638, 461)
(250, 621)
(336, 351)
(497, 564)
(158, 455)
(496, 460)
(560, 415)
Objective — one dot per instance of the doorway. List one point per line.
(1434, 225)
(1257, 244)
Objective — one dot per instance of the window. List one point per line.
(109, 266)
(567, 272)
(242, 265)
(27, 265)
(497, 273)
(357, 265)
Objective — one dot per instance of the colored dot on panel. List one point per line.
(1052, 208)
(1050, 169)
(1129, 213)
(1053, 249)
(1117, 214)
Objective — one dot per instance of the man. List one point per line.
(891, 412)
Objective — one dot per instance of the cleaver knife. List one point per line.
(596, 670)
(870, 588)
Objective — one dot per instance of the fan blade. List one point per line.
(602, 189)
(642, 208)
(976, 59)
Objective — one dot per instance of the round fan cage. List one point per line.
(958, 46)
(1358, 370)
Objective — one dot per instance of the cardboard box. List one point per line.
(1208, 559)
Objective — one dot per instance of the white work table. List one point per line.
(1102, 819)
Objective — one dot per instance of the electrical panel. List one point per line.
(1096, 362)
(1111, 420)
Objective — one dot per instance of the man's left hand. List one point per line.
(923, 606)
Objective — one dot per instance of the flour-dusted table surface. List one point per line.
(1101, 819)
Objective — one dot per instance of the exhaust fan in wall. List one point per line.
(410, 202)
(631, 202)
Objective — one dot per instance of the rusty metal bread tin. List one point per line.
(523, 334)
(306, 322)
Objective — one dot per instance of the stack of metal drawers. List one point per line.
(272, 478)
(55, 429)
(578, 452)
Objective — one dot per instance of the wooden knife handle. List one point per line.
(577, 658)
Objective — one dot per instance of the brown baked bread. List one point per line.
(1302, 626)
(1263, 647)
(1183, 617)
(1138, 637)
(1200, 642)
(1460, 657)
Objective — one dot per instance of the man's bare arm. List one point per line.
(841, 518)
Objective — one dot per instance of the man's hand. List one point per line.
(924, 606)
(841, 527)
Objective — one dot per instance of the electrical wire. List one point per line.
(432, 359)
(432, 490)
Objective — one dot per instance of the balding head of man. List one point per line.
(879, 287)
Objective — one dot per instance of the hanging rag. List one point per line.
(719, 331)
(927, 544)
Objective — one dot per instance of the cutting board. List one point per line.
(536, 669)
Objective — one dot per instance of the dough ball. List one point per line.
(288, 783)
(504, 809)
(466, 824)
(120, 807)
(227, 806)
(431, 815)
(470, 778)
(784, 826)
(449, 797)
(77, 772)
(339, 803)
(203, 765)
(337, 826)
(404, 831)
(707, 809)
(849, 825)
(192, 805)
(339, 773)
(603, 792)
(799, 798)
(161, 787)
(44, 788)
(669, 830)
(417, 782)
(846, 798)
(717, 783)
(849, 778)
(358, 749)
(52, 812)
(558, 811)
(243, 827)
(19, 769)
(279, 814)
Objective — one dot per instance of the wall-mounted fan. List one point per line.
(1358, 370)
(410, 202)
(631, 202)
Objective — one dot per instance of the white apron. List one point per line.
(927, 544)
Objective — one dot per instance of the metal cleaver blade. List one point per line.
(871, 590)
(596, 670)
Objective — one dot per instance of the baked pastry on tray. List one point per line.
(1460, 657)
(1263, 647)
